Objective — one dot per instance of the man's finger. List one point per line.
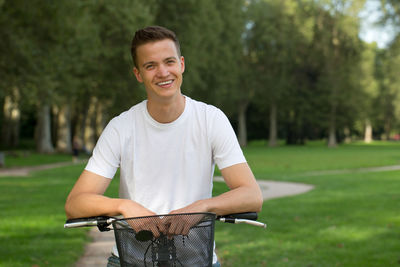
(154, 230)
(186, 229)
(161, 226)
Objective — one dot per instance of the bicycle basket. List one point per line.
(166, 240)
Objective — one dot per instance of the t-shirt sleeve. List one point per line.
(106, 156)
(225, 146)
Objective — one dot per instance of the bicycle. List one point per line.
(171, 240)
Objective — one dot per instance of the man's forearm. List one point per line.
(244, 194)
(87, 205)
(241, 199)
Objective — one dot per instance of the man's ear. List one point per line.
(182, 60)
(137, 75)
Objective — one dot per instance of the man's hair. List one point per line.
(152, 34)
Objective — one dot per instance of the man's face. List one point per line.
(160, 68)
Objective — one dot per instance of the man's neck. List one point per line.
(166, 111)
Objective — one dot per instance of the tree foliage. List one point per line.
(295, 70)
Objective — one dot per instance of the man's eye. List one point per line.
(170, 62)
(149, 67)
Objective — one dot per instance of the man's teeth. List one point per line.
(165, 83)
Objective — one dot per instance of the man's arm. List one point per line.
(86, 199)
(244, 194)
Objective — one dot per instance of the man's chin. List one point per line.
(167, 94)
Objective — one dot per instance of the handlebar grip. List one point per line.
(246, 216)
(237, 218)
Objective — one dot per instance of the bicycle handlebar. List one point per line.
(237, 218)
(246, 216)
(102, 222)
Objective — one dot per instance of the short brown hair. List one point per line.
(152, 34)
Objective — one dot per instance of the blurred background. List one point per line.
(302, 75)
(286, 71)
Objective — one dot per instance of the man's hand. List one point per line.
(181, 224)
(198, 206)
(130, 209)
(155, 225)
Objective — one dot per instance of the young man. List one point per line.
(166, 148)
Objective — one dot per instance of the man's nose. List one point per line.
(163, 71)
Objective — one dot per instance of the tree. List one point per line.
(211, 39)
(276, 40)
(198, 27)
(106, 84)
(64, 55)
(387, 104)
(32, 36)
(234, 90)
(391, 9)
(337, 43)
(370, 91)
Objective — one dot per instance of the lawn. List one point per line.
(293, 161)
(29, 158)
(347, 220)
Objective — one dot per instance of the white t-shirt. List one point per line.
(166, 166)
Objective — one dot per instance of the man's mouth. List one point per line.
(165, 83)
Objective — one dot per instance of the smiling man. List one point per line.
(160, 68)
(166, 148)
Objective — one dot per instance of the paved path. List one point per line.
(97, 252)
(359, 170)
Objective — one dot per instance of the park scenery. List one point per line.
(311, 99)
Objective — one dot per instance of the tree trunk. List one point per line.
(273, 129)
(43, 130)
(81, 125)
(101, 119)
(347, 135)
(242, 131)
(11, 120)
(387, 128)
(89, 126)
(332, 137)
(332, 142)
(368, 131)
(63, 143)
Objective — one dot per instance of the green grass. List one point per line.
(347, 220)
(30, 158)
(290, 161)
(31, 225)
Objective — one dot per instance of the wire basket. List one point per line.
(166, 240)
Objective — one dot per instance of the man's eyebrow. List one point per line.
(169, 58)
(154, 62)
(148, 63)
